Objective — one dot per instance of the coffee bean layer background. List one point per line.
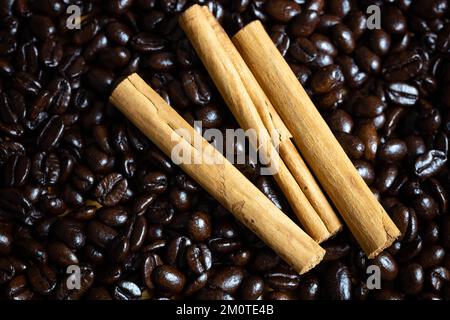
(82, 186)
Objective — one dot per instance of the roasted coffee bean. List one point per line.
(42, 279)
(126, 290)
(282, 280)
(7, 271)
(309, 289)
(327, 79)
(70, 232)
(199, 258)
(392, 150)
(412, 279)
(388, 266)
(113, 216)
(180, 199)
(282, 10)
(62, 255)
(351, 144)
(100, 234)
(406, 220)
(114, 57)
(31, 249)
(227, 279)
(118, 32)
(196, 88)
(97, 160)
(402, 93)
(199, 226)
(119, 248)
(303, 50)
(304, 23)
(17, 289)
(338, 282)
(100, 79)
(176, 250)
(168, 279)
(343, 37)
(82, 178)
(425, 207)
(111, 189)
(430, 163)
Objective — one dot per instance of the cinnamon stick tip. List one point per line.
(253, 24)
(390, 239)
(313, 262)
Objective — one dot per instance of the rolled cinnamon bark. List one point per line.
(365, 217)
(227, 79)
(273, 123)
(169, 131)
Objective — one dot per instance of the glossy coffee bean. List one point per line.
(168, 279)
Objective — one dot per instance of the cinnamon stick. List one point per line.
(162, 124)
(195, 24)
(365, 217)
(274, 124)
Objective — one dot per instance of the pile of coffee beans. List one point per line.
(91, 209)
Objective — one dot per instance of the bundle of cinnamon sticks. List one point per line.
(263, 94)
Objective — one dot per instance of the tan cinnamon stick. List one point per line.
(162, 124)
(365, 217)
(274, 124)
(195, 24)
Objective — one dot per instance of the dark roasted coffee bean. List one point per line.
(199, 226)
(338, 282)
(282, 10)
(327, 79)
(51, 53)
(7, 270)
(168, 279)
(111, 189)
(70, 232)
(31, 249)
(282, 280)
(386, 176)
(17, 289)
(6, 238)
(402, 93)
(42, 26)
(119, 248)
(351, 144)
(343, 37)
(196, 88)
(425, 207)
(303, 50)
(100, 79)
(304, 24)
(309, 290)
(340, 121)
(62, 255)
(42, 279)
(227, 279)
(388, 266)
(126, 290)
(118, 32)
(392, 150)
(113, 216)
(100, 234)
(412, 279)
(430, 163)
(199, 258)
(114, 57)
